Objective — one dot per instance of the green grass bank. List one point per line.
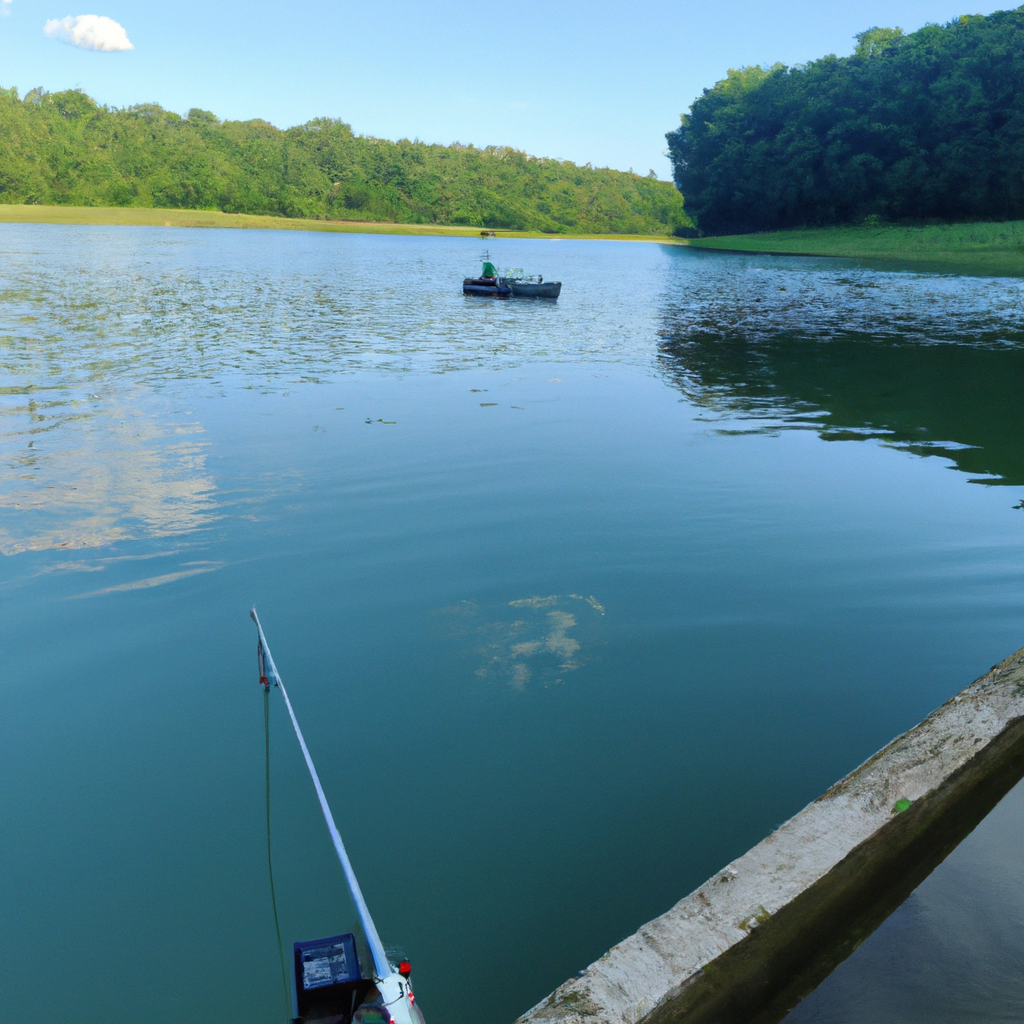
(130, 216)
(981, 248)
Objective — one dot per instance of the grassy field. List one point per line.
(982, 248)
(148, 217)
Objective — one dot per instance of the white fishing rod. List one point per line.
(268, 672)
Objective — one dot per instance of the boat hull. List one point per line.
(535, 290)
(496, 288)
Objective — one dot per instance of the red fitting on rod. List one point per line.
(261, 661)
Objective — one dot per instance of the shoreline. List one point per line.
(982, 247)
(147, 216)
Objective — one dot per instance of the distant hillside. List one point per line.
(62, 148)
(919, 127)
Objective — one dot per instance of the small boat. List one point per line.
(488, 283)
(331, 985)
(534, 287)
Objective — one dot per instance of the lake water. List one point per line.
(576, 602)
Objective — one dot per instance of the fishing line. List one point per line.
(390, 982)
(381, 964)
(270, 860)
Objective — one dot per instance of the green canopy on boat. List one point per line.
(489, 270)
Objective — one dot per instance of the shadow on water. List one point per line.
(829, 921)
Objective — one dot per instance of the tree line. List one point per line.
(927, 126)
(63, 148)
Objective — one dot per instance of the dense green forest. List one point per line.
(911, 128)
(62, 148)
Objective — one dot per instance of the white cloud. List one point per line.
(5, 7)
(88, 32)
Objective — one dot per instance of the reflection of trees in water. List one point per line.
(961, 401)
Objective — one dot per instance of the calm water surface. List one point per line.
(576, 603)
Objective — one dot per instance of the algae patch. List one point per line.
(530, 639)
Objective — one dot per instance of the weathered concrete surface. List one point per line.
(752, 941)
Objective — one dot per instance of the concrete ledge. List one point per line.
(752, 941)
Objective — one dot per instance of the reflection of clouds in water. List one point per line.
(121, 566)
(535, 643)
(100, 564)
(97, 475)
(157, 581)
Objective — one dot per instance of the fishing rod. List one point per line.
(392, 984)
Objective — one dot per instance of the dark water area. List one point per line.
(576, 602)
(961, 402)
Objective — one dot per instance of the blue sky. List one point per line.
(599, 82)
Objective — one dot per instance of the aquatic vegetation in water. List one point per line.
(540, 643)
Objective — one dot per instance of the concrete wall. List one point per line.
(765, 930)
